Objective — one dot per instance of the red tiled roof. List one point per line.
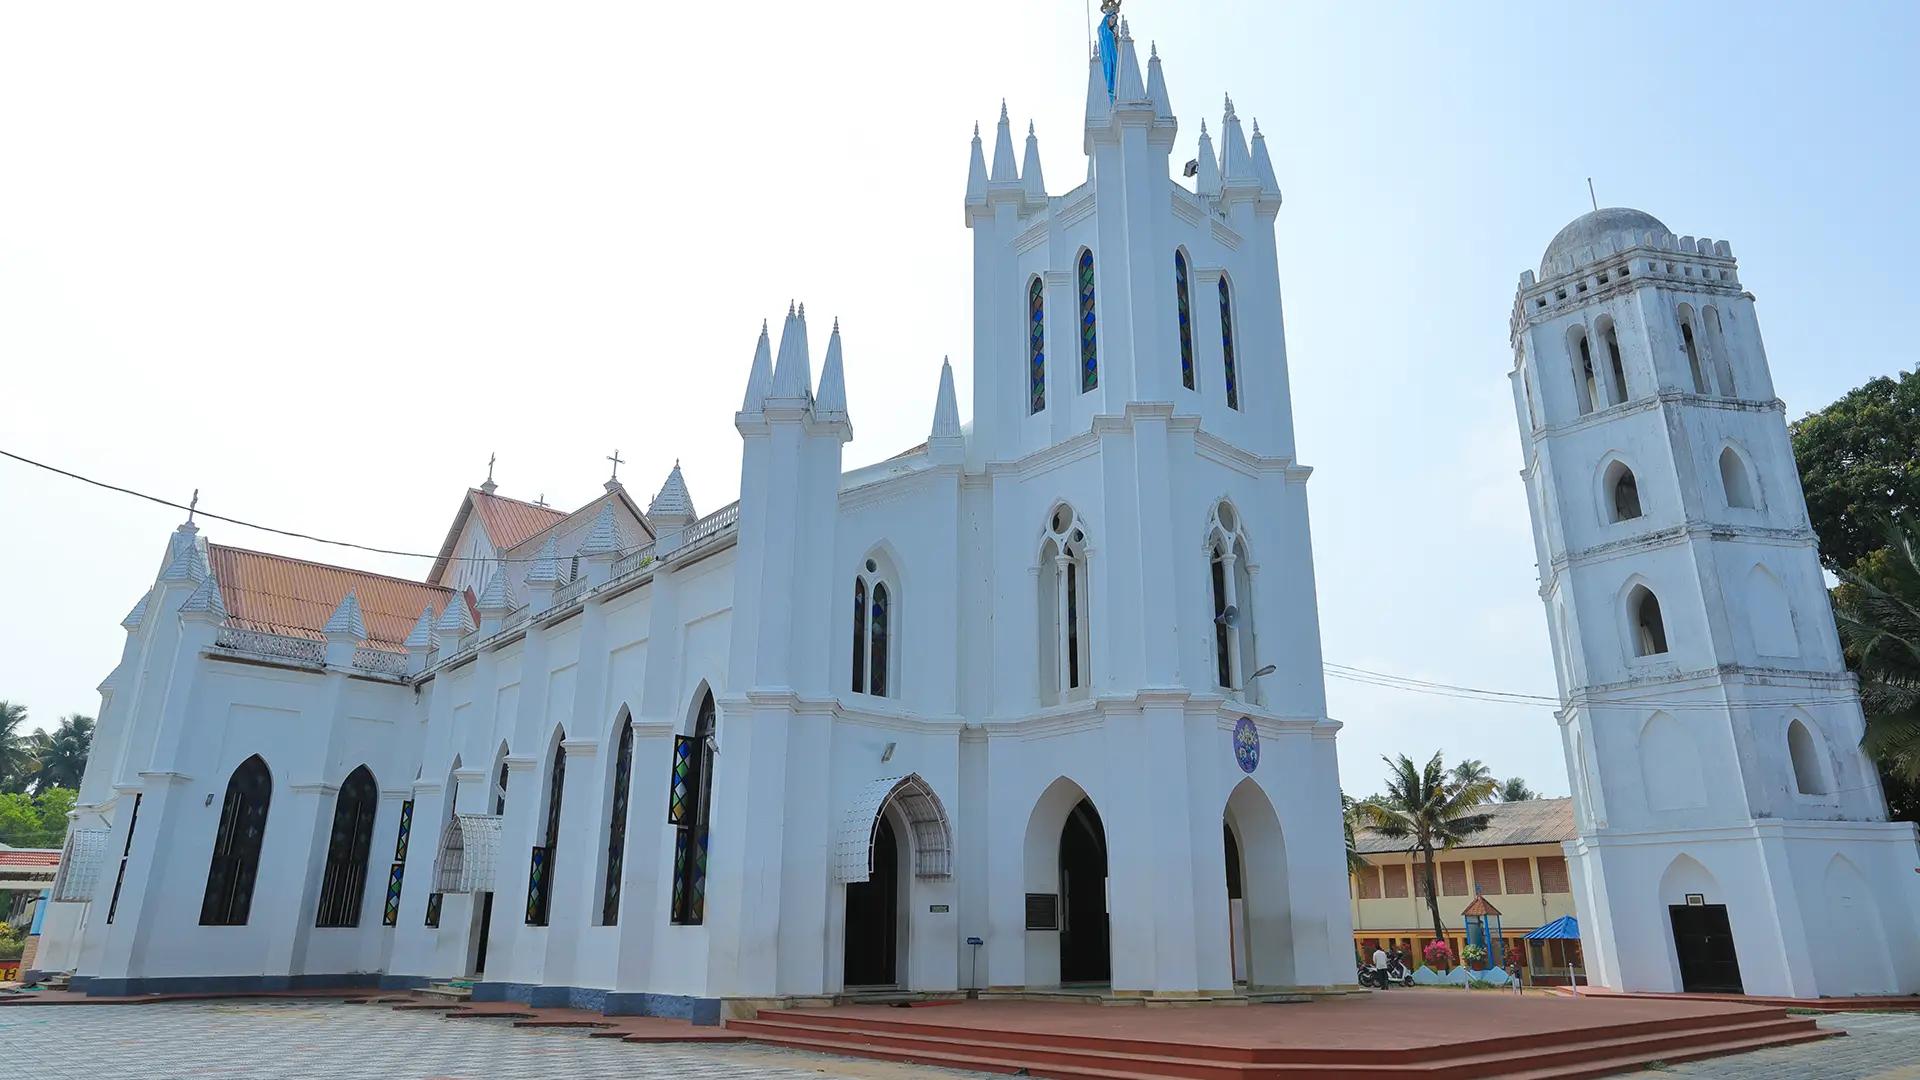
(281, 595)
(1480, 906)
(509, 521)
(35, 858)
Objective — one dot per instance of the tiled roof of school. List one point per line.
(1535, 821)
(30, 858)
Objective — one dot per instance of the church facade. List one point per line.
(1035, 703)
(1733, 835)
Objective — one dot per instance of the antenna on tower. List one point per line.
(1591, 197)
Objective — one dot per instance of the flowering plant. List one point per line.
(1437, 954)
(1473, 955)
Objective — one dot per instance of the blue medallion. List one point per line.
(1246, 744)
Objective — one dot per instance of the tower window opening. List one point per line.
(1226, 344)
(1649, 632)
(1089, 329)
(1064, 653)
(1623, 493)
(1808, 776)
(1735, 481)
(1586, 389)
(872, 628)
(1616, 370)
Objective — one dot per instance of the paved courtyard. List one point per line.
(276, 1039)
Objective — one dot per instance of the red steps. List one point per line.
(1581, 1052)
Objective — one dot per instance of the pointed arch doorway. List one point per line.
(1084, 953)
(893, 835)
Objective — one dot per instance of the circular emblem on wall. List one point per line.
(1246, 744)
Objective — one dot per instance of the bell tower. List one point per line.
(1732, 834)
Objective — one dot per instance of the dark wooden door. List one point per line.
(1703, 940)
(873, 916)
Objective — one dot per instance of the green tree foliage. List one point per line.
(60, 755)
(1431, 810)
(1877, 607)
(35, 820)
(1356, 862)
(1514, 789)
(1860, 466)
(16, 755)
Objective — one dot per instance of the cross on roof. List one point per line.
(617, 462)
(541, 500)
(489, 468)
(191, 504)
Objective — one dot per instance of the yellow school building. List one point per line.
(1517, 864)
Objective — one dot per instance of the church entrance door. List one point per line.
(1083, 897)
(1703, 942)
(873, 915)
(480, 934)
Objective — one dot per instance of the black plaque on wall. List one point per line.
(1043, 911)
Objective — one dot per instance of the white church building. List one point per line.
(1035, 703)
(1732, 834)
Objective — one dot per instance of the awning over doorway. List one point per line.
(468, 851)
(1564, 928)
(80, 865)
(932, 835)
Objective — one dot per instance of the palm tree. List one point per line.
(1878, 608)
(1514, 789)
(1431, 810)
(16, 756)
(1356, 862)
(60, 756)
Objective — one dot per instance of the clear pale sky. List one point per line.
(320, 260)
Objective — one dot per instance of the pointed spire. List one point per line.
(1262, 164)
(792, 370)
(604, 537)
(497, 597)
(673, 499)
(185, 561)
(1031, 182)
(1236, 165)
(976, 171)
(1207, 180)
(1127, 86)
(1003, 150)
(946, 408)
(422, 637)
(1099, 103)
(456, 620)
(206, 600)
(546, 566)
(138, 615)
(1157, 84)
(346, 619)
(760, 376)
(831, 402)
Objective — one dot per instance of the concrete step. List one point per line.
(446, 992)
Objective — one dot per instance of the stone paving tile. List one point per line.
(1878, 1046)
(295, 1040)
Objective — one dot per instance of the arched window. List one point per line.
(1701, 383)
(617, 824)
(1064, 652)
(1089, 336)
(540, 864)
(1616, 371)
(873, 619)
(1585, 389)
(1808, 774)
(1183, 309)
(1226, 343)
(1231, 583)
(345, 880)
(1735, 481)
(236, 846)
(688, 809)
(1649, 632)
(1623, 493)
(1036, 346)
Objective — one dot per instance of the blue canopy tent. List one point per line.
(1556, 947)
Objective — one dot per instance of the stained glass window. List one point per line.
(236, 846)
(1183, 303)
(1036, 347)
(1089, 354)
(680, 791)
(690, 840)
(617, 826)
(391, 915)
(119, 880)
(433, 908)
(1226, 344)
(859, 635)
(880, 604)
(405, 833)
(345, 879)
(540, 867)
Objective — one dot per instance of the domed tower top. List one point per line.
(1624, 226)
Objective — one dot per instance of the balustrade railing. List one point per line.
(299, 650)
(711, 524)
(367, 658)
(632, 560)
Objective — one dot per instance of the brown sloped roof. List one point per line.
(31, 858)
(281, 595)
(1535, 821)
(1480, 906)
(510, 521)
